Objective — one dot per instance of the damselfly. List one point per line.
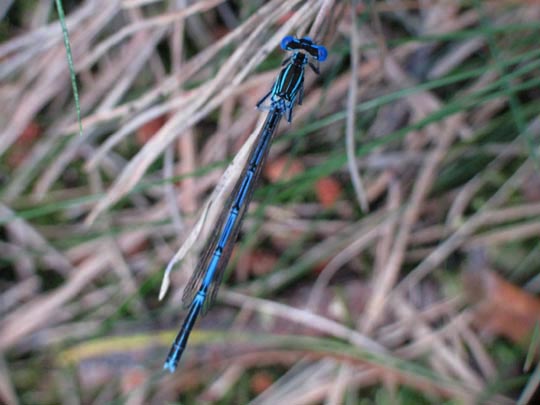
(287, 90)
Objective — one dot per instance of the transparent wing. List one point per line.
(238, 202)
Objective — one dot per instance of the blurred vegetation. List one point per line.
(429, 297)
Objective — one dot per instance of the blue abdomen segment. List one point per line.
(182, 338)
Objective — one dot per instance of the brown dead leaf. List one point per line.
(147, 131)
(133, 378)
(328, 190)
(261, 381)
(257, 263)
(23, 144)
(283, 169)
(285, 18)
(502, 308)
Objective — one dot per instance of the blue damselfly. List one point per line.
(287, 90)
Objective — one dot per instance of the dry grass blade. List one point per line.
(351, 116)
(198, 108)
(304, 317)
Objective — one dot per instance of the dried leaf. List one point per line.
(502, 308)
(283, 169)
(261, 381)
(328, 191)
(148, 130)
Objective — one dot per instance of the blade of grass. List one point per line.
(67, 45)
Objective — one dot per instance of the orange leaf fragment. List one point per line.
(148, 130)
(283, 168)
(261, 381)
(261, 262)
(23, 144)
(328, 191)
(255, 263)
(133, 378)
(30, 133)
(283, 19)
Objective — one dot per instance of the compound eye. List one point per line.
(322, 53)
(286, 41)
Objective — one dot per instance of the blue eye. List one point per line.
(286, 41)
(323, 53)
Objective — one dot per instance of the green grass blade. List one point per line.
(62, 19)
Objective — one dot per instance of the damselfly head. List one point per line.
(306, 44)
(318, 52)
